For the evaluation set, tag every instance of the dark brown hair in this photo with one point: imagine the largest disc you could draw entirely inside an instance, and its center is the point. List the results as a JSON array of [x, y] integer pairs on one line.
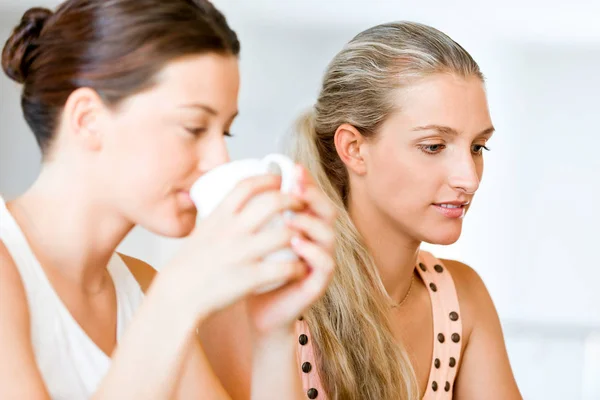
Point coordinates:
[[115, 47]]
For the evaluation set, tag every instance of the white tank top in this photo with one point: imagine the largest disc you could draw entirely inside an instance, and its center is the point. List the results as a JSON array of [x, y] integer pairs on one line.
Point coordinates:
[[72, 365]]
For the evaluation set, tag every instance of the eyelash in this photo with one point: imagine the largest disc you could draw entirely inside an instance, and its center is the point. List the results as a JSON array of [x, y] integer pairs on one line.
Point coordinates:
[[199, 131], [424, 148], [481, 148]]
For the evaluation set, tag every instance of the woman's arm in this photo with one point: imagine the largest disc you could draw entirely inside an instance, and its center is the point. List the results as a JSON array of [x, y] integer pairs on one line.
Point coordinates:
[[485, 371], [276, 373], [226, 337], [275, 368], [197, 378], [251, 368], [149, 359]]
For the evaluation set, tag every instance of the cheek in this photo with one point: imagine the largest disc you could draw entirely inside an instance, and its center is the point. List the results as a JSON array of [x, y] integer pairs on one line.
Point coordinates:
[[402, 180], [147, 158]]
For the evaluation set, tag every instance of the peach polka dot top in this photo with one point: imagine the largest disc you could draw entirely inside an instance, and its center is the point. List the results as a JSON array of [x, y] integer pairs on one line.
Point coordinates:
[[447, 326]]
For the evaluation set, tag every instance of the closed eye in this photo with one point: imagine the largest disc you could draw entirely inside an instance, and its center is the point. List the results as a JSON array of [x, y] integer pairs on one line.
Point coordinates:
[[200, 131], [196, 131]]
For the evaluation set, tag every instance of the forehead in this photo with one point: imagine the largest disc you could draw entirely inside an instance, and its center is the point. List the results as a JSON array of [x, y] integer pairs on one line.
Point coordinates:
[[210, 79], [445, 100]]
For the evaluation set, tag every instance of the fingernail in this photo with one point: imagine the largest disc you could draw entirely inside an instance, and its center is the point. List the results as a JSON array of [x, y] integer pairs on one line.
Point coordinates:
[[296, 242], [299, 189], [289, 223], [288, 216]]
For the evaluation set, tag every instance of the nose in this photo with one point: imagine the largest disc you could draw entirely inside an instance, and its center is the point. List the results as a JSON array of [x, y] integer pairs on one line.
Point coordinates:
[[464, 175], [213, 154]]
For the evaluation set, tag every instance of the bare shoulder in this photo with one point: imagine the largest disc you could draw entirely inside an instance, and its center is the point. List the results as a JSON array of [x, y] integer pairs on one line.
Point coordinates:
[[475, 302], [21, 378], [466, 279], [143, 272], [484, 341], [12, 290]]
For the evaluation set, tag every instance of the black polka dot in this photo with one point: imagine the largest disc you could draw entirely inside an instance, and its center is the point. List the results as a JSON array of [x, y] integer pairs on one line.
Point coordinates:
[[306, 367], [441, 338], [452, 362], [423, 267], [453, 316], [433, 287], [312, 393], [447, 387], [437, 363], [455, 337], [434, 386], [303, 339], [438, 268]]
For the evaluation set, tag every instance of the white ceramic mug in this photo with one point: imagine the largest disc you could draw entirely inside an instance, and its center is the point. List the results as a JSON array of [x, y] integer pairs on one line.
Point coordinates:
[[212, 188]]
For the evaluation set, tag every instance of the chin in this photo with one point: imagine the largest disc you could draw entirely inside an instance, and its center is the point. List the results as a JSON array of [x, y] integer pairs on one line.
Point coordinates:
[[174, 226], [179, 231], [443, 237]]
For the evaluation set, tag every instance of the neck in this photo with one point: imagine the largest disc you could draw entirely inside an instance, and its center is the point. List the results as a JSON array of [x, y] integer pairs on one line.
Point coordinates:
[[395, 253], [69, 228]]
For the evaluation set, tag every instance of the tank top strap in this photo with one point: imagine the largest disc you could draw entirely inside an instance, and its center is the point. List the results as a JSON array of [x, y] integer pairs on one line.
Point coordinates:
[[305, 352], [129, 292], [33, 277], [447, 326]]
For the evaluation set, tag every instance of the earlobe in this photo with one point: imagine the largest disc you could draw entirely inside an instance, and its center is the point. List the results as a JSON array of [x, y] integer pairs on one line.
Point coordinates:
[[349, 144], [81, 114]]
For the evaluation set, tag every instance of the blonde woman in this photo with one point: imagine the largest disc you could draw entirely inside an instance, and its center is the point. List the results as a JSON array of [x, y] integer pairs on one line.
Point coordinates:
[[396, 141]]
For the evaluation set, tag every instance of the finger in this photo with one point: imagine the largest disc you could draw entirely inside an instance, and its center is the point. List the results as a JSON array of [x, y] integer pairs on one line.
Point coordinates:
[[321, 261], [268, 273], [293, 299], [318, 203], [313, 228], [304, 177], [246, 190], [245, 280], [267, 242], [263, 207]]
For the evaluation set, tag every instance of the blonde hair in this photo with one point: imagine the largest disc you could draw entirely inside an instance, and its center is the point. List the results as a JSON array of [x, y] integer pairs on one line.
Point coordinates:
[[357, 355]]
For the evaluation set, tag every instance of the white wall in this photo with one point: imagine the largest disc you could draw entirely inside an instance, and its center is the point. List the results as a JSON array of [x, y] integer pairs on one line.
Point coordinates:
[[532, 231], [19, 155]]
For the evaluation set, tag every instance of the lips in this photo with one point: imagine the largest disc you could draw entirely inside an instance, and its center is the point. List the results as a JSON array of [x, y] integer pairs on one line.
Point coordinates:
[[185, 199], [452, 209], [449, 205]]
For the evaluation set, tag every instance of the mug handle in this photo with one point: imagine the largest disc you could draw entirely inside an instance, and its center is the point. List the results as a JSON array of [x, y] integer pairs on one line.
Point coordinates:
[[286, 168]]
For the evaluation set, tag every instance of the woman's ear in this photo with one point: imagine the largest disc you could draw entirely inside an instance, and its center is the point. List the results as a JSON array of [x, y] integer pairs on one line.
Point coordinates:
[[349, 143], [81, 116]]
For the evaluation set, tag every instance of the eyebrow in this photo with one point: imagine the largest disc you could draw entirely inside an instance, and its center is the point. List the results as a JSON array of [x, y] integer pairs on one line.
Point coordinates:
[[446, 130], [206, 108]]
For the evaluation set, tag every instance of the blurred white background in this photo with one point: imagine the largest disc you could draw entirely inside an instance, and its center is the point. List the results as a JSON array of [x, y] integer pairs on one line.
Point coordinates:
[[533, 230]]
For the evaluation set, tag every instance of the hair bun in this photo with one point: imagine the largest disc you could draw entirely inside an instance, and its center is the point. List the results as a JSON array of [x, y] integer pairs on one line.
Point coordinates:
[[15, 60]]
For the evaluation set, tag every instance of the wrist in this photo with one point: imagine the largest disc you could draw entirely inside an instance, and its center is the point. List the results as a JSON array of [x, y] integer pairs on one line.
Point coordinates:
[[275, 338], [275, 372], [171, 296]]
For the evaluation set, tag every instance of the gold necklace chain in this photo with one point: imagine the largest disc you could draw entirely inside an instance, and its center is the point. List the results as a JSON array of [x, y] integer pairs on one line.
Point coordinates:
[[412, 279]]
